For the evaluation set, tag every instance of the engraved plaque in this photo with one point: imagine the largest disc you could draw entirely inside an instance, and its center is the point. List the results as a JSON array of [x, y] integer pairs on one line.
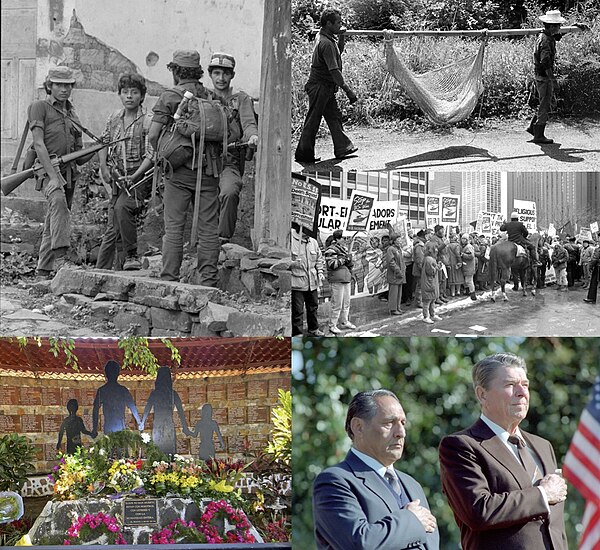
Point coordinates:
[[8, 396], [258, 388], [51, 423], [8, 423], [30, 396], [140, 511], [86, 397], [220, 416], [216, 392], [258, 415], [51, 396], [196, 394], [68, 393], [236, 444], [236, 391], [258, 442], [183, 445], [236, 415], [31, 423], [277, 383], [49, 451]]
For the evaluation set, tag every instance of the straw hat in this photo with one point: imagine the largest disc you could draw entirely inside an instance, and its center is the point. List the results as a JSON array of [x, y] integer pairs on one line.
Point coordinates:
[[553, 16]]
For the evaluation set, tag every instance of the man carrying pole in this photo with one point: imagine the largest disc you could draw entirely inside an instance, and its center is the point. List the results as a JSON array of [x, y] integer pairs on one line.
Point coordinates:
[[324, 80], [56, 130], [544, 54]]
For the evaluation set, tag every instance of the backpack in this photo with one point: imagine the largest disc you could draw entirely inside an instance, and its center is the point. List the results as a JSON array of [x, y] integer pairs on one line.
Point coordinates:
[[199, 121]]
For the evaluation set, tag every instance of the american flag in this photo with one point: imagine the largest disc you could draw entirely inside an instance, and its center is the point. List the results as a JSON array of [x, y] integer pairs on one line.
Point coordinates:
[[582, 468]]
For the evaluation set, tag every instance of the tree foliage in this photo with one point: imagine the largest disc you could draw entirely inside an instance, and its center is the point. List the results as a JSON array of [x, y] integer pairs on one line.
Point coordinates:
[[431, 376], [136, 351], [16, 456]]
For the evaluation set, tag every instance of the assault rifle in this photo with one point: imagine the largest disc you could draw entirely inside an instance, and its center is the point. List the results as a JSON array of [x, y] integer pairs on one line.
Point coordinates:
[[10, 183]]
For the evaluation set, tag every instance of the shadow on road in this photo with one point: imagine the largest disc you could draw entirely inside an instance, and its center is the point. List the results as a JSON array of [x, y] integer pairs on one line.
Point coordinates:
[[454, 153], [447, 153], [554, 151]]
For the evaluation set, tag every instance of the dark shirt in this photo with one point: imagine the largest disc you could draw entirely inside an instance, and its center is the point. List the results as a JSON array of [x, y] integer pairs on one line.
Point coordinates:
[[61, 136], [544, 54], [326, 58], [339, 263], [517, 232]]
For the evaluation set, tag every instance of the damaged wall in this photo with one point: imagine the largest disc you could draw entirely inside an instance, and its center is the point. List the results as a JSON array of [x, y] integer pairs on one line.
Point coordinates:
[[145, 33], [113, 37]]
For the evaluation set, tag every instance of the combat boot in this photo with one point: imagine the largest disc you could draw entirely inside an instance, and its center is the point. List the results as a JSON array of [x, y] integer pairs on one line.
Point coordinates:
[[538, 136]]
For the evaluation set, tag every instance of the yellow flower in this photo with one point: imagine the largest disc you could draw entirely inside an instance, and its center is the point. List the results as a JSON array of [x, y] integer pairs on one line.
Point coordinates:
[[222, 486], [24, 541]]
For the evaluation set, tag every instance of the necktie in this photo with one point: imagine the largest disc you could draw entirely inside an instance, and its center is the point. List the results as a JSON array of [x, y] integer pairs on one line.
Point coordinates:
[[526, 458], [400, 495]]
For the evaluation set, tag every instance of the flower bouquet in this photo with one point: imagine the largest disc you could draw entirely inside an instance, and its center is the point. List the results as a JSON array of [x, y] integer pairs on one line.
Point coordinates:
[[124, 475], [219, 523], [94, 529]]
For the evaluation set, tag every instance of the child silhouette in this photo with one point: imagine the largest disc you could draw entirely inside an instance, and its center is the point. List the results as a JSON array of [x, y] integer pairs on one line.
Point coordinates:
[[73, 426], [205, 428]]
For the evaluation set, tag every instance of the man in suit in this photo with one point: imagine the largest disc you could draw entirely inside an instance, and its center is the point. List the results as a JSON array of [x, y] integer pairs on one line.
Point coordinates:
[[500, 481], [363, 503]]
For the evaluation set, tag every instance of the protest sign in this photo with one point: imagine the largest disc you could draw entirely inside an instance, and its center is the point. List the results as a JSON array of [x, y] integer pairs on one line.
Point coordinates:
[[450, 206], [306, 195], [527, 214], [594, 227], [332, 215], [361, 205], [488, 223], [433, 210]]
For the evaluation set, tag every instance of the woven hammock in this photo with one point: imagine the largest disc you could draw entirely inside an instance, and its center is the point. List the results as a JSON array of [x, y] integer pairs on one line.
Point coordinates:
[[446, 95]]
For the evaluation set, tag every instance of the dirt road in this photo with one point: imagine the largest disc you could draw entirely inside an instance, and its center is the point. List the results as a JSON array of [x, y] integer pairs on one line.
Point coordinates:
[[501, 146]]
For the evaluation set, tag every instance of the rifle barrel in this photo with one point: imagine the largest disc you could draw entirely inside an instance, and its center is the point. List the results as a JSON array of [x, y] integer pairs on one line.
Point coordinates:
[[10, 183]]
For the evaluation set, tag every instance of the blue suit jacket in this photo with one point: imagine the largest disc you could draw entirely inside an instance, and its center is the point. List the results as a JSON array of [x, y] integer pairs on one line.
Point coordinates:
[[354, 508]]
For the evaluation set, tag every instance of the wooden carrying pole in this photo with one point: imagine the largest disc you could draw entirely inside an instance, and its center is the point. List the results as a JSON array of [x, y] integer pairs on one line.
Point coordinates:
[[499, 32]]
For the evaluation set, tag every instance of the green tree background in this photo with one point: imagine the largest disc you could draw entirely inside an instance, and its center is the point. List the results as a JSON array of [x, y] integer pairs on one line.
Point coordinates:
[[432, 377]]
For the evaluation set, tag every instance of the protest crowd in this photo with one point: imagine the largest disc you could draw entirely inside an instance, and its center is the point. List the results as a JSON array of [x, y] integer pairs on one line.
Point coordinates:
[[422, 269]]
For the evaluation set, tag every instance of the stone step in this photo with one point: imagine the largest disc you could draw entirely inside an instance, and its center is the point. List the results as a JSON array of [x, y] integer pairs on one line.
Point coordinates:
[[133, 301]]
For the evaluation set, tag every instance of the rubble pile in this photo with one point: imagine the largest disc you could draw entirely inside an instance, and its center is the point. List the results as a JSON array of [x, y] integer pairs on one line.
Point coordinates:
[[137, 302]]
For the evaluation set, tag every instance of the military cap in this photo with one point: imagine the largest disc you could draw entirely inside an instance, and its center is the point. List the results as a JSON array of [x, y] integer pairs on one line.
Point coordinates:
[[61, 75], [186, 58], [224, 60]]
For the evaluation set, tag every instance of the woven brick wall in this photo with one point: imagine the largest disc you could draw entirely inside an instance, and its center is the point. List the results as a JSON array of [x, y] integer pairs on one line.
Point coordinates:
[[241, 406]]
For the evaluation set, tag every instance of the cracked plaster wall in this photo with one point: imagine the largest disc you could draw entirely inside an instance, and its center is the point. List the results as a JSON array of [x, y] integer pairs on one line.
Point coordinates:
[[112, 37]]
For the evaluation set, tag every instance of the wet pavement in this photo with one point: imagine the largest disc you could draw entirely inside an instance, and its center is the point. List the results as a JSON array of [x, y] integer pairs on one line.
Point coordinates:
[[549, 313]]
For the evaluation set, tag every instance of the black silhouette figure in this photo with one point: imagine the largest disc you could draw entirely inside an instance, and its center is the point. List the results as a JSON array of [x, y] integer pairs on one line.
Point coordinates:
[[113, 398], [163, 400], [205, 428], [73, 426]]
